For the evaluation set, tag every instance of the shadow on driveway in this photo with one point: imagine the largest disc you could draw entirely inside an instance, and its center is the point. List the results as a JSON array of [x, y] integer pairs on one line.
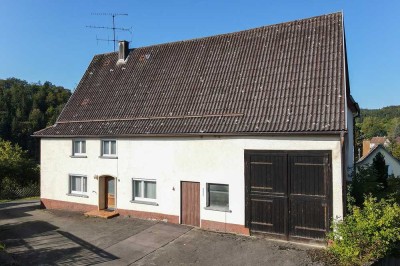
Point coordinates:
[[17, 209], [39, 242]]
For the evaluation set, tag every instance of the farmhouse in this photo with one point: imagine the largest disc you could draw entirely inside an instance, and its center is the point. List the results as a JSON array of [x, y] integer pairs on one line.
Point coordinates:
[[244, 132]]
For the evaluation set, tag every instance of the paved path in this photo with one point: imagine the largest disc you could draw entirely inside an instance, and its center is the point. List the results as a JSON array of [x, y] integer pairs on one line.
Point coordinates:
[[49, 237]]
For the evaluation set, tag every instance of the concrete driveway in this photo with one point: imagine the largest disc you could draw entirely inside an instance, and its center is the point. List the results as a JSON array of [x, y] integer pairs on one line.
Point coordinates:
[[50, 237]]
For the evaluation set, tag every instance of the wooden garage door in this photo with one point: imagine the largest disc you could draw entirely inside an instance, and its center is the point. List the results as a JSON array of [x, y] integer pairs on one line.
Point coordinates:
[[287, 193], [190, 203]]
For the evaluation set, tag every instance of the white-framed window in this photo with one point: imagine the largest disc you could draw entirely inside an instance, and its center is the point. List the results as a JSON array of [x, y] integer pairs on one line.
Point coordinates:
[[144, 190], [218, 196], [78, 147], [109, 148], [77, 184]]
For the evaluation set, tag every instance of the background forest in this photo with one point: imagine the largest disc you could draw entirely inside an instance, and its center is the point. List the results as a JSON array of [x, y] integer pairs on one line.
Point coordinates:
[[28, 107]]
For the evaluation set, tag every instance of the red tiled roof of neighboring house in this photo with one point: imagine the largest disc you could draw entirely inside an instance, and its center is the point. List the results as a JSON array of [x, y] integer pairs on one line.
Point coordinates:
[[378, 140], [284, 78]]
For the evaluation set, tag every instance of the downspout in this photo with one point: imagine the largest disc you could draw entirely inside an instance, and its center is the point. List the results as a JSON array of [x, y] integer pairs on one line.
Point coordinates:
[[116, 181], [343, 143]]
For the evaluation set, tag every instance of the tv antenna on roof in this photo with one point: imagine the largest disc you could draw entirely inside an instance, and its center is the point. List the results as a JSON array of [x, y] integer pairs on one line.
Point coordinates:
[[113, 28]]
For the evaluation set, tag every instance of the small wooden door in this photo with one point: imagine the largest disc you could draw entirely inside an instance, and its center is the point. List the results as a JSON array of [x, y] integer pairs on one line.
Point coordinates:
[[110, 192], [190, 203]]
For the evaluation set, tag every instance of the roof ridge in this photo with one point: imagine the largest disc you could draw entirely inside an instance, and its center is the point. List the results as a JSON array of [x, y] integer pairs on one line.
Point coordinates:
[[229, 33]]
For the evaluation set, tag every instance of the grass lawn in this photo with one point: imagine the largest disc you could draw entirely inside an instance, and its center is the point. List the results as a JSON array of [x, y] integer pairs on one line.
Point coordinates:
[[28, 198]]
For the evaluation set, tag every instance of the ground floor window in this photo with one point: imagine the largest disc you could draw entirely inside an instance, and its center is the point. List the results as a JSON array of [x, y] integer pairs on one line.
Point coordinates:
[[218, 196], [145, 190], [77, 184]]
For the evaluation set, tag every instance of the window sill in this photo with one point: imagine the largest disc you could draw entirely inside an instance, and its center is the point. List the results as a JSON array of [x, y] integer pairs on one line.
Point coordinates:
[[144, 202], [217, 209], [108, 157], [77, 195], [78, 156]]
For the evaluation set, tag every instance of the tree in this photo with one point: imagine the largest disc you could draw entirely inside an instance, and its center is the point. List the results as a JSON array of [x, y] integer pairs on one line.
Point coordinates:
[[373, 126], [371, 180], [380, 169], [396, 150], [15, 164]]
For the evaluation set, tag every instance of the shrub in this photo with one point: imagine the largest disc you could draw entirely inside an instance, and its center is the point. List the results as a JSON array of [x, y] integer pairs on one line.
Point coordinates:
[[366, 234]]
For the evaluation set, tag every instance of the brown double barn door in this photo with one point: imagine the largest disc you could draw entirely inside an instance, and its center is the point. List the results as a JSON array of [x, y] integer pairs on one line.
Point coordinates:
[[190, 203], [288, 193]]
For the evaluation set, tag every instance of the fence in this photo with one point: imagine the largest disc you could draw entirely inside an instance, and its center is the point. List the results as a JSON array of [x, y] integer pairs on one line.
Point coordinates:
[[17, 192]]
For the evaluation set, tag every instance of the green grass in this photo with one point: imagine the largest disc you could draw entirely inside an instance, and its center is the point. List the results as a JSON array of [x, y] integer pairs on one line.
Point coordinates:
[[2, 246], [28, 198]]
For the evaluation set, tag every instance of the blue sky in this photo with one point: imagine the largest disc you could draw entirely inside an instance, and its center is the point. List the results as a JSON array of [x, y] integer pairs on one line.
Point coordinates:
[[47, 39]]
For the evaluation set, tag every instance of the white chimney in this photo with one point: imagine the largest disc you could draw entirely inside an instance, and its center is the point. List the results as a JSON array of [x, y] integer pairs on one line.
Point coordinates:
[[123, 50]]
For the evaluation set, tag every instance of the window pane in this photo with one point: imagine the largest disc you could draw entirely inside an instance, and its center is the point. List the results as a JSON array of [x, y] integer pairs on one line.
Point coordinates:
[[218, 195], [84, 181], [83, 148], [106, 147], [137, 188], [217, 187], [110, 186], [150, 189], [76, 183], [113, 147], [76, 147]]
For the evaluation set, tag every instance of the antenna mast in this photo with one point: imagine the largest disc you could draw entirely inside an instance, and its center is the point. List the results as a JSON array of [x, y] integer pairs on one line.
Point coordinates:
[[113, 28]]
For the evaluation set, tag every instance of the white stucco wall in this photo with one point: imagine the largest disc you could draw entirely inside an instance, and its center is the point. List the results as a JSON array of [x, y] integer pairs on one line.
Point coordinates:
[[170, 161], [394, 165]]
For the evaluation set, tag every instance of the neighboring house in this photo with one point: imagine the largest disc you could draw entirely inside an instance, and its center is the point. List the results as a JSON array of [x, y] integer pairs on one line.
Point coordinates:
[[373, 142], [392, 163], [243, 132]]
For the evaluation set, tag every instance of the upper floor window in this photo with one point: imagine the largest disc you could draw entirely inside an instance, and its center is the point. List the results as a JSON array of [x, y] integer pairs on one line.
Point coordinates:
[[79, 147], [109, 148]]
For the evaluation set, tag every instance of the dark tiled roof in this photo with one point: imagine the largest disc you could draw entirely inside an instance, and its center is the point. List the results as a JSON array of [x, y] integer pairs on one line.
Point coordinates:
[[282, 78]]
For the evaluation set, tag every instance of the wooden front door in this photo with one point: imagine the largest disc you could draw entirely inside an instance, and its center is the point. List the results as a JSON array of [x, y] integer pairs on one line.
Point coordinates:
[[288, 193], [110, 192], [190, 203]]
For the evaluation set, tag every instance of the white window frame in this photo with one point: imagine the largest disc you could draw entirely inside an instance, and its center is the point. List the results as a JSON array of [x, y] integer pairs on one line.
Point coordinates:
[[83, 177], [74, 153], [142, 192], [208, 203], [109, 154]]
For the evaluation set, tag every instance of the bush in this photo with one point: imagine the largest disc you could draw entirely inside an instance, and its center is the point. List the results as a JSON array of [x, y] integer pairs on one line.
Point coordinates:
[[15, 164], [366, 234]]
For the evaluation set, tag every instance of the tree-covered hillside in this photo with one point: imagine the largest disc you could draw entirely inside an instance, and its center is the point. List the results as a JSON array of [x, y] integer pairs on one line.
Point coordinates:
[[28, 107], [380, 122]]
